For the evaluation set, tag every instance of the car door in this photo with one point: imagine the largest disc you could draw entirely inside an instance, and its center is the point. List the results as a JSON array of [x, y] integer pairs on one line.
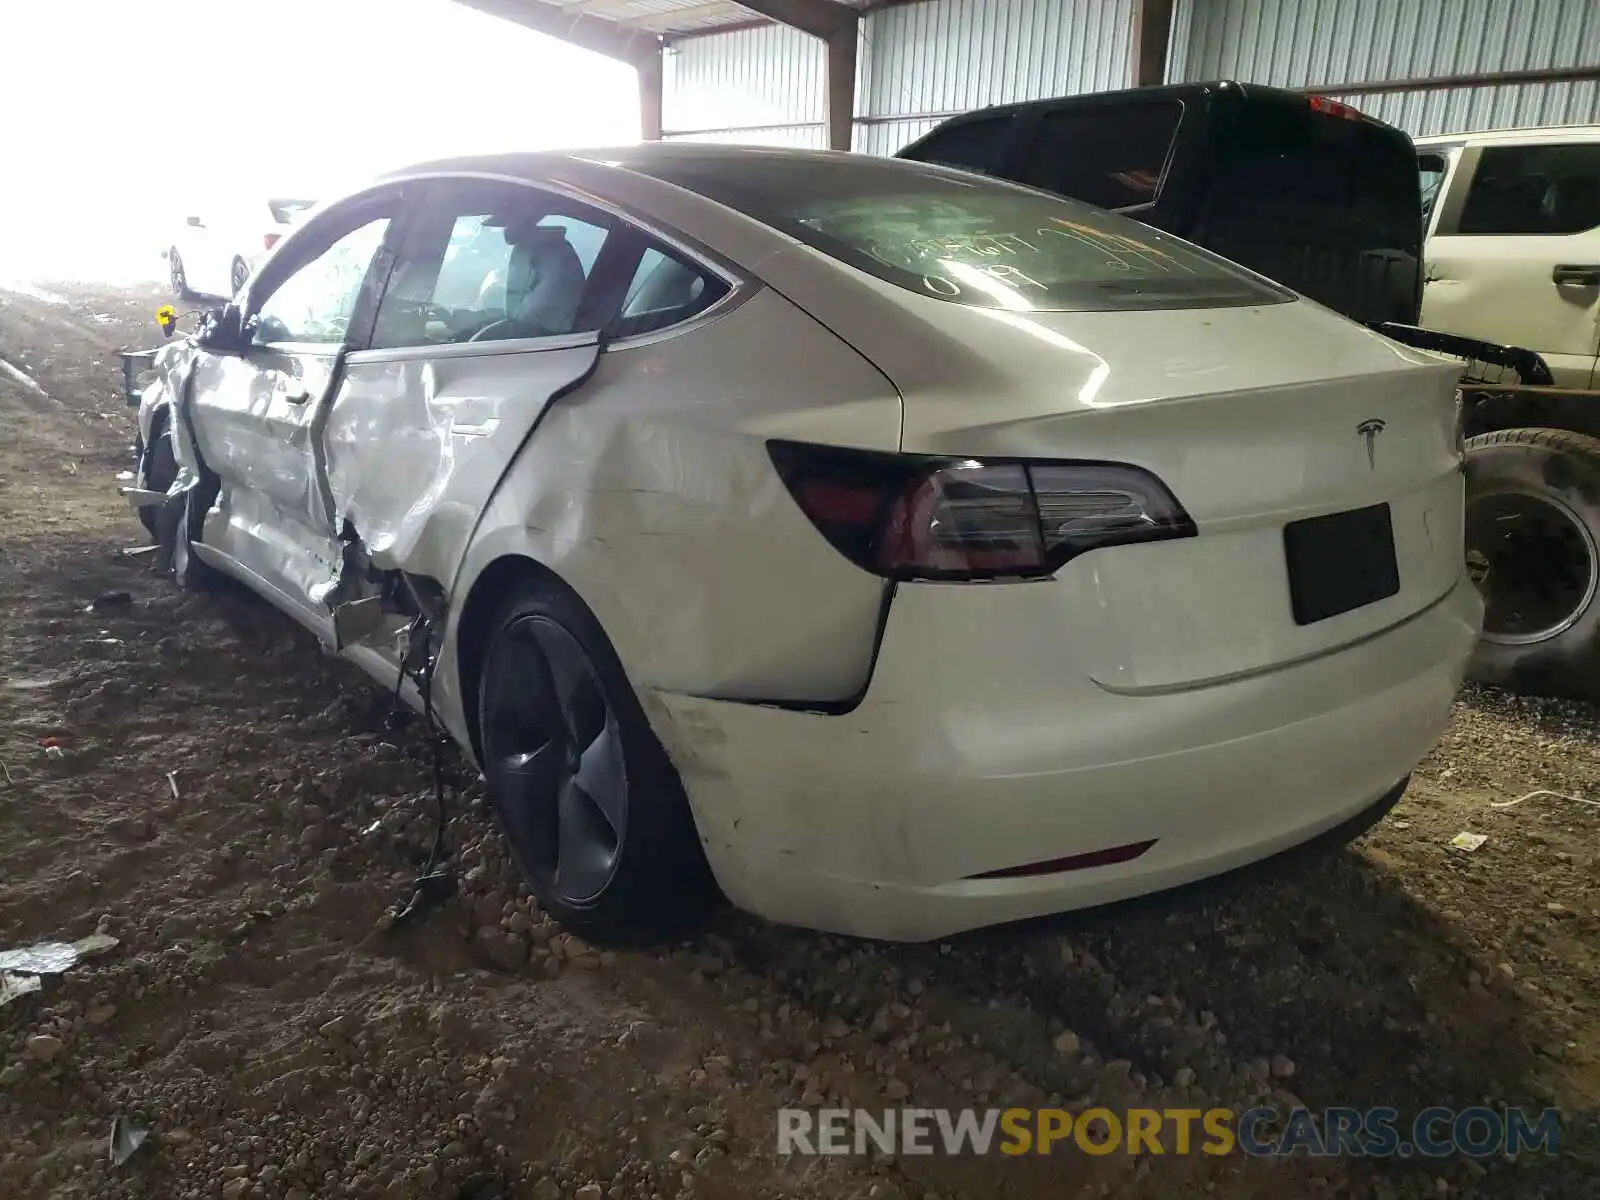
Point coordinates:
[[1515, 253], [492, 311], [257, 412]]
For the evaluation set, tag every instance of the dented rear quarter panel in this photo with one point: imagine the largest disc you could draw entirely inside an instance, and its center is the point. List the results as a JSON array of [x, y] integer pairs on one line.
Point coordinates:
[[649, 491]]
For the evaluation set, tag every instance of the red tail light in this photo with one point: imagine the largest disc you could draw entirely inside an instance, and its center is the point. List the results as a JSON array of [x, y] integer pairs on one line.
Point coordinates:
[[916, 517], [1334, 108], [269, 240]]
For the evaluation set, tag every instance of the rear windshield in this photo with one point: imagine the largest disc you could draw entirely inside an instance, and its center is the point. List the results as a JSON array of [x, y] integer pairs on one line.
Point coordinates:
[[1322, 165], [966, 239], [1327, 204]]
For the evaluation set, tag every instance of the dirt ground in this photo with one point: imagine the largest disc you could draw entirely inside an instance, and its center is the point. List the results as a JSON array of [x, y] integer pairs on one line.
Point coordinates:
[[228, 803]]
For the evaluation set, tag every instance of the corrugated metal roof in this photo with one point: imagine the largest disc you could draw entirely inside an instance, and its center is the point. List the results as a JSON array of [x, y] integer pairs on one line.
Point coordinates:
[[669, 17], [661, 16]]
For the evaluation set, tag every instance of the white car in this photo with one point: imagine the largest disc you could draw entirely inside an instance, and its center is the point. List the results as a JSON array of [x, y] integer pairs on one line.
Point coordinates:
[[215, 250], [915, 550], [1513, 242]]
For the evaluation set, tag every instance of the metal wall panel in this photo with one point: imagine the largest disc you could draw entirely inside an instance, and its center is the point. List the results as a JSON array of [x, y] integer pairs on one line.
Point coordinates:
[[766, 83], [1306, 43], [885, 137], [946, 56], [915, 61], [1458, 110]]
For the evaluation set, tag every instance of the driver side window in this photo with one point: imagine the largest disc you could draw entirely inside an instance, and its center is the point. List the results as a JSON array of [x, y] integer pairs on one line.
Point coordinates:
[[314, 305]]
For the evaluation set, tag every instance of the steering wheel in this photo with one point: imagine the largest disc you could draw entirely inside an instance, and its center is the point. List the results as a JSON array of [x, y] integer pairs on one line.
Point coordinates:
[[507, 328]]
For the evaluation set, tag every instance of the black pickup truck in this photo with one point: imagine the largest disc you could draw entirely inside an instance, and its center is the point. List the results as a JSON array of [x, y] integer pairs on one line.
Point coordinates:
[[1307, 191]]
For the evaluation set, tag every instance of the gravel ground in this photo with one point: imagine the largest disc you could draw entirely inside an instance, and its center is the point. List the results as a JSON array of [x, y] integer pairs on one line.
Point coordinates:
[[189, 776]]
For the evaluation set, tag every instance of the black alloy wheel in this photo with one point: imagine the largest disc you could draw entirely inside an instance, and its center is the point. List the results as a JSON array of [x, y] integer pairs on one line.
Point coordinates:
[[1535, 563], [555, 760], [589, 799], [1533, 550]]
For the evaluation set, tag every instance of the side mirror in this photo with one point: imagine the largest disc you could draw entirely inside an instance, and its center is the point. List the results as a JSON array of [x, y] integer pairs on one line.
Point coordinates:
[[195, 221], [222, 331]]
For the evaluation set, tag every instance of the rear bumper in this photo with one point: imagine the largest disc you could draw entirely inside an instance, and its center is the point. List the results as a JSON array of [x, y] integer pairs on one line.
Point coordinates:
[[978, 750]]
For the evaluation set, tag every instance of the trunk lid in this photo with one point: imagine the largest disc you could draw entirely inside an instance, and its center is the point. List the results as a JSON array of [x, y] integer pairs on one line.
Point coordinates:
[[1255, 419]]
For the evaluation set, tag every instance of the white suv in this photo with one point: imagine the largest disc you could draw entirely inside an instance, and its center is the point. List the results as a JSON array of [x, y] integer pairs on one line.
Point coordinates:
[[1513, 242], [1511, 255]]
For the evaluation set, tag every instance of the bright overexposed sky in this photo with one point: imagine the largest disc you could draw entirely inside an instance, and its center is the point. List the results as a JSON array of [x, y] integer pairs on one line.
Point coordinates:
[[119, 114]]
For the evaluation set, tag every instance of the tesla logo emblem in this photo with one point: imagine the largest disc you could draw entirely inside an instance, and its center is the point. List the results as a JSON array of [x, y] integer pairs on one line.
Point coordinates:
[[1370, 429]]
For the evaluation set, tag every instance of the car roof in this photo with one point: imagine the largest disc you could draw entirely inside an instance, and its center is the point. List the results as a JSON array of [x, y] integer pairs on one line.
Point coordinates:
[[1551, 133], [535, 165]]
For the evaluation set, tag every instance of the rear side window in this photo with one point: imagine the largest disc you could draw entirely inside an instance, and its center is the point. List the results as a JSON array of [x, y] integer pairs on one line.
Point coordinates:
[[664, 291], [1113, 157], [971, 145], [1534, 190], [965, 239]]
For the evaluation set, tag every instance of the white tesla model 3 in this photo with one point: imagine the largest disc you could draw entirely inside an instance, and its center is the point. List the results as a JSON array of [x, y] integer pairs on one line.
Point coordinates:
[[905, 550]]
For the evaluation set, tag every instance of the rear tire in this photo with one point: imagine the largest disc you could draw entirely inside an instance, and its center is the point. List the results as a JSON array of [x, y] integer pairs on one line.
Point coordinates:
[[1533, 549], [591, 805]]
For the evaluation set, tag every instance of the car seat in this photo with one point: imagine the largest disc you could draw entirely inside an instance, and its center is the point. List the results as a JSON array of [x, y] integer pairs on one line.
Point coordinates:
[[544, 280]]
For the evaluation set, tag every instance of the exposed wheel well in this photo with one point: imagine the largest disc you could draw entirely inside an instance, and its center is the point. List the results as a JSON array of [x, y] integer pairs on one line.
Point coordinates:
[[489, 591]]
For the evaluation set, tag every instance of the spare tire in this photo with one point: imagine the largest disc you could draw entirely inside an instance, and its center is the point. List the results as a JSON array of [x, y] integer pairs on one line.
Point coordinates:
[[1533, 528]]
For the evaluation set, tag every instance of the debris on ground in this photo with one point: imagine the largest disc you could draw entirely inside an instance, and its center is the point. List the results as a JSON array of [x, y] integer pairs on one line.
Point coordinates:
[[1544, 792], [14, 987], [52, 958], [126, 1138]]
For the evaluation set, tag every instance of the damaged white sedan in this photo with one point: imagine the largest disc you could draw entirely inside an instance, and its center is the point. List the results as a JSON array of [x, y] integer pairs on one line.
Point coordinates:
[[902, 550]]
